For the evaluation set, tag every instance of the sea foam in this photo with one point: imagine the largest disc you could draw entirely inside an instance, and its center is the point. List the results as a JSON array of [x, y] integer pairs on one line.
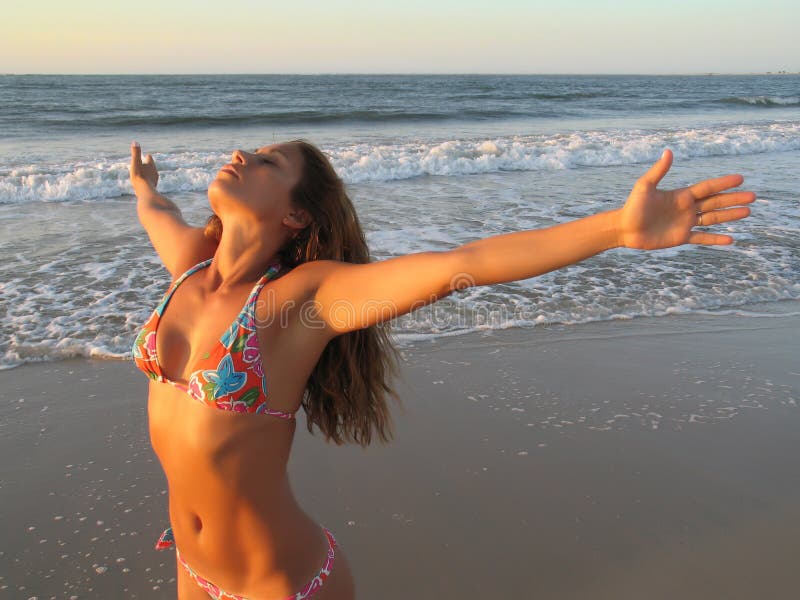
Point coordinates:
[[375, 162]]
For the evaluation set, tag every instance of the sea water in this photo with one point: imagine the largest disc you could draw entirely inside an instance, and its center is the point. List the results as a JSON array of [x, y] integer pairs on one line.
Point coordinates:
[[431, 162]]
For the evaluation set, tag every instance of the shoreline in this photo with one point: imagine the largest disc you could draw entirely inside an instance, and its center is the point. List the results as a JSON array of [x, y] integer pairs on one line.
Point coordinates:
[[410, 340], [625, 459]]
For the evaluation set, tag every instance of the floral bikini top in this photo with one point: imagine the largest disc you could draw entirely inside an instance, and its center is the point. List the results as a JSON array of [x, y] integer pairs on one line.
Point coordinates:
[[231, 375]]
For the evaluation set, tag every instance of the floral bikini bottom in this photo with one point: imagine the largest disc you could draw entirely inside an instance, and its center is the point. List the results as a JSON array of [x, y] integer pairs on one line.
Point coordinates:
[[168, 541]]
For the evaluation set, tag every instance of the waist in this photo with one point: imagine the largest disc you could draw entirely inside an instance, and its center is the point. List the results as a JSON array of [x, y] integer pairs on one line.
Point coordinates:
[[256, 549]]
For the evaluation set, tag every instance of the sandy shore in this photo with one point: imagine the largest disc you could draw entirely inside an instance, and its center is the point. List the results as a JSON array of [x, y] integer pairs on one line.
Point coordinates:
[[653, 458]]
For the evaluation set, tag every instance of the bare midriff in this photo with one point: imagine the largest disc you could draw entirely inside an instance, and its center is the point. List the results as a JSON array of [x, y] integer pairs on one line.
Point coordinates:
[[234, 516]]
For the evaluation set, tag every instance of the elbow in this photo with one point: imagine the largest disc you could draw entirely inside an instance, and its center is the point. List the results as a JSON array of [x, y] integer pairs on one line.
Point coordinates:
[[460, 281], [461, 270]]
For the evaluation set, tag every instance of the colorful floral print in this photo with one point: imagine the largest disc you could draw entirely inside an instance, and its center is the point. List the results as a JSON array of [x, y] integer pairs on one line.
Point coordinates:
[[231, 376], [167, 540]]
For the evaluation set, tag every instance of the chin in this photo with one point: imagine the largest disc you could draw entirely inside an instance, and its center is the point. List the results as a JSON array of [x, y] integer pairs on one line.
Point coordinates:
[[216, 191], [221, 198]]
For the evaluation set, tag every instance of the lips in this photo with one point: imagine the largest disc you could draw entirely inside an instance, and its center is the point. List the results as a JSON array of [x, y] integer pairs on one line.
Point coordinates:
[[230, 170]]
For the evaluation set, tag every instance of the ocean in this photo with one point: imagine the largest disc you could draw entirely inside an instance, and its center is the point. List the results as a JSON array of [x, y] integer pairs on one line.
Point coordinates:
[[431, 162]]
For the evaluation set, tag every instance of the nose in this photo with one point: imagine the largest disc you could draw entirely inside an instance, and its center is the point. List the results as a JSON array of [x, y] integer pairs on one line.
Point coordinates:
[[239, 156]]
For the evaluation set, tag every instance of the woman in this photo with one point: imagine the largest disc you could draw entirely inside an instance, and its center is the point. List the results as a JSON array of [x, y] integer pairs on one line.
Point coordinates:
[[274, 306]]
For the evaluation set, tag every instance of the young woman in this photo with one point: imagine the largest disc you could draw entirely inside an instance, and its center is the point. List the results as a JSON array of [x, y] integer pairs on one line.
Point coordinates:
[[274, 305]]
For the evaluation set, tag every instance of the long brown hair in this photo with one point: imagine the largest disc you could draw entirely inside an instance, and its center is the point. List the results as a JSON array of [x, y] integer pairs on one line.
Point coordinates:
[[346, 393]]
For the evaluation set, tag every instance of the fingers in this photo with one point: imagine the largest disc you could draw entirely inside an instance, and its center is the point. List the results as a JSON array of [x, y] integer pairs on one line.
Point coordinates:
[[723, 216], [136, 151], [136, 157], [710, 187], [725, 200], [659, 169], [709, 239]]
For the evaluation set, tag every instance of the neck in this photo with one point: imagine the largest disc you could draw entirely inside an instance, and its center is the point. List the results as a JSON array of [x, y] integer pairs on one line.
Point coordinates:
[[243, 255]]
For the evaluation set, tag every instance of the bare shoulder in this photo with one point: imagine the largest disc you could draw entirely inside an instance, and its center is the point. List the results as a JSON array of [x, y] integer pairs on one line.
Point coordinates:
[[292, 291], [306, 277], [193, 247], [180, 247]]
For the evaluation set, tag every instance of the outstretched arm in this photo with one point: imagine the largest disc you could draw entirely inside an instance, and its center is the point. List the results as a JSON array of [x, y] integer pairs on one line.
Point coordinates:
[[178, 244], [352, 296]]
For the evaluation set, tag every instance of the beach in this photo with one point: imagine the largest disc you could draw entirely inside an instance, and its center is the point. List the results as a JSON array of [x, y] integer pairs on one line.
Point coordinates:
[[654, 457], [625, 427]]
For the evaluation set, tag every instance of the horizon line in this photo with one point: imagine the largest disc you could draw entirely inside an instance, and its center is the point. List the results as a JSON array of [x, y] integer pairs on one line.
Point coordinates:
[[410, 73]]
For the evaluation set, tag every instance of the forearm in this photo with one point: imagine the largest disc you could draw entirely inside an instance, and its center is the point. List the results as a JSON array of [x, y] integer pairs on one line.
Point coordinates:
[[353, 296], [148, 199], [525, 254]]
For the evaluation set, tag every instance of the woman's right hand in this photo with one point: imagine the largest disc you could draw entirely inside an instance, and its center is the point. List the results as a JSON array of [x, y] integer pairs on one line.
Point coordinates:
[[142, 172]]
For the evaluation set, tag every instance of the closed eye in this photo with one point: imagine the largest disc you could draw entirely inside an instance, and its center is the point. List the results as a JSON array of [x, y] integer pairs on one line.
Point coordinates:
[[263, 157]]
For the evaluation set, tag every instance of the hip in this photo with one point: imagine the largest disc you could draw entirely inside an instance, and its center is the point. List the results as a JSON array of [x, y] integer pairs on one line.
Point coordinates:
[[238, 547]]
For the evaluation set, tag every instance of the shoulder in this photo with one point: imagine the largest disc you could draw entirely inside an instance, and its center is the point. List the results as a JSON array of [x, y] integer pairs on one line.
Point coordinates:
[[306, 277], [287, 307], [293, 287]]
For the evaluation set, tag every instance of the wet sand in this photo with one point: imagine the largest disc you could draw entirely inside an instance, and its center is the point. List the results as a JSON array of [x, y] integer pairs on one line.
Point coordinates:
[[652, 458]]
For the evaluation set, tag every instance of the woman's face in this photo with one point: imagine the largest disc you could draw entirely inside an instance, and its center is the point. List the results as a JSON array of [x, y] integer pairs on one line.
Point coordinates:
[[259, 182]]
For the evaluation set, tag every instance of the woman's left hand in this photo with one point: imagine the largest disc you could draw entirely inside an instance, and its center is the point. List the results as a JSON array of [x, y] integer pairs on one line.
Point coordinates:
[[653, 218]]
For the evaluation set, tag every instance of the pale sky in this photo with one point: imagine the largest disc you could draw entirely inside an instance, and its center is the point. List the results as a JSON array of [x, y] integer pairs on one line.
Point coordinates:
[[409, 36]]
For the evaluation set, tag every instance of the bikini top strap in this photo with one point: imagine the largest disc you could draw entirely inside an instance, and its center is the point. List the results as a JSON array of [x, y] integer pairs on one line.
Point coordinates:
[[197, 267], [171, 290], [271, 272]]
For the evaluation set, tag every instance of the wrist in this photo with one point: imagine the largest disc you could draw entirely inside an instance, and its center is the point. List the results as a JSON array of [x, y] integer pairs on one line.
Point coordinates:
[[142, 188], [615, 219]]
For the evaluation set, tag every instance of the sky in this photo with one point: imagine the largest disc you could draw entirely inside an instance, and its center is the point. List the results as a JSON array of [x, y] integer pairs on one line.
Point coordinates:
[[412, 36]]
